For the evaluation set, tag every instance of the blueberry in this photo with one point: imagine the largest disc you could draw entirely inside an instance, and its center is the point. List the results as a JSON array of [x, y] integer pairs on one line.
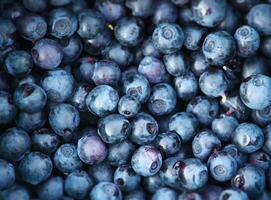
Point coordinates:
[[35, 168], [84, 69], [110, 10], [232, 194], [140, 8], [190, 195], [211, 192], [193, 37], [13, 10], [64, 119], [66, 159], [165, 11], [7, 107], [248, 137], [152, 183], [267, 142], [260, 159], [128, 106], [209, 13], [198, 63], [14, 143], [148, 48], [164, 193], [135, 195], [244, 5], [91, 150], [35, 6], [146, 160], [176, 64], [168, 38], [234, 152], [102, 100], [7, 173], [262, 117], [218, 47], [52, 189], [101, 172], [186, 15], [59, 2], [185, 124], [15, 192], [254, 91], [129, 31], [266, 46], [78, 184], [105, 191]]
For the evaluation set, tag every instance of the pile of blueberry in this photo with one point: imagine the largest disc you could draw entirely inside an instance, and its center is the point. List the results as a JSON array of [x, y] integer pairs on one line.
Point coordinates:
[[135, 99]]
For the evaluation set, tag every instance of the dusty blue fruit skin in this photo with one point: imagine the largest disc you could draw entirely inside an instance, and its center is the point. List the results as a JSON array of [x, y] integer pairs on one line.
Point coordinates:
[[90, 23], [47, 54], [267, 142], [35, 6], [30, 98], [244, 5], [141, 8], [45, 140], [64, 119], [101, 172], [105, 191], [250, 179], [262, 117], [120, 153], [234, 152], [102, 100], [35, 168], [128, 106], [193, 36], [193, 174], [146, 160], [208, 13], [91, 149], [84, 69], [66, 159], [266, 46], [255, 91], [15, 192], [111, 11], [60, 2], [106, 72], [204, 144], [58, 84], [248, 137], [232, 194], [260, 159], [152, 183], [165, 11], [18, 63], [144, 129], [198, 63], [185, 124], [187, 195], [129, 31], [7, 173], [168, 142], [52, 189], [148, 48], [136, 194], [258, 17], [168, 38], [126, 179], [218, 47], [164, 193], [13, 11], [75, 179], [8, 109], [138, 86], [14, 143], [78, 99], [175, 63]]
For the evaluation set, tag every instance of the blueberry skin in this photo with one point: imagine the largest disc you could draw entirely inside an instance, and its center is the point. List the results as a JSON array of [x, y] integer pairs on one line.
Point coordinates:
[[148, 48], [30, 98], [187, 195], [7, 29], [35, 168], [62, 23], [244, 5], [175, 64], [102, 100], [105, 191], [7, 107], [233, 194], [18, 63], [144, 129], [32, 27], [203, 108], [59, 2], [126, 179], [120, 153], [14, 143], [152, 183], [204, 144], [248, 137], [140, 8], [211, 192], [250, 179], [64, 119], [223, 126], [258, 17], [13, 10], [91, 149], [193, 36], [186, 86], [262, 117], [135, 195], [193, 174], [106, 73], [255, 65], [186, 15], [234, 152], [267, 142], [47, 54], [113, 128], [146, 160], [198, 63], [138, 86], [15, 192], [78, 184], [35, 6], [153, 69], [255, 91], [128, 106], [7, 173], [4, 80], [165, 11], [84, 69], [66, 159], [58, 85], [260, 159], [101, 172], [78, 99], [218, 47], [52, 189], [164, 193], [208, 13], [111, 11], [168, 38], [168, 142], [185, 124], [266, 46], [45, 141], [129, 31]]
